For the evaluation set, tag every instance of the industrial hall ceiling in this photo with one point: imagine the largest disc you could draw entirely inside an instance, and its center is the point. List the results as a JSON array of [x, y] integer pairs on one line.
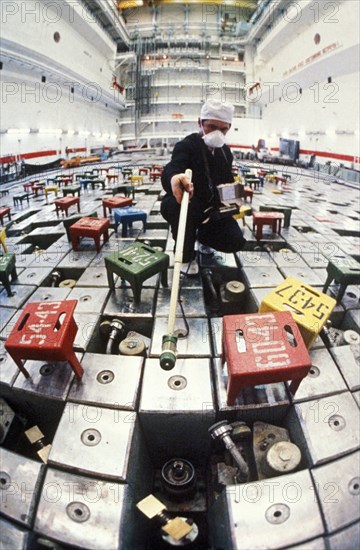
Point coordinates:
[[128, 21]]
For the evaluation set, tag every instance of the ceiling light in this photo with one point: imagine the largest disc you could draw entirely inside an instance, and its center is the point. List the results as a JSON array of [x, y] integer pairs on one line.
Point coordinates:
[[13, 131], [130, 5], [344, 132]]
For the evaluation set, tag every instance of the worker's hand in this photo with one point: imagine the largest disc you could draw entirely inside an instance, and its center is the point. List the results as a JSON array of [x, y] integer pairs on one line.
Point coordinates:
[[179, 183]]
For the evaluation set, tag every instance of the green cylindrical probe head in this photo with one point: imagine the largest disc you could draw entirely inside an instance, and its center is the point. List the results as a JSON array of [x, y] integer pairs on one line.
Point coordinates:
[[168, 355], [167, 360]]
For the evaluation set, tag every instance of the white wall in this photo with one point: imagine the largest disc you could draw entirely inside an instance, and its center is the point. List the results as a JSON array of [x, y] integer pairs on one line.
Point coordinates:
[[295, 97], [30, 104], [83, 59], [244, 131]]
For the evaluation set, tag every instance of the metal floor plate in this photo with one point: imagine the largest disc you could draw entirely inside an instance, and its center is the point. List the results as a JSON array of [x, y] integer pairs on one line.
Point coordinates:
[[108, 381], [275, 510], [331, 426]]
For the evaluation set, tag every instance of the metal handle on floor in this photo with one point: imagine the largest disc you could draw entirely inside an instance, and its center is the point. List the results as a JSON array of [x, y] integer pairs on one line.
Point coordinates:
[[168, 355]]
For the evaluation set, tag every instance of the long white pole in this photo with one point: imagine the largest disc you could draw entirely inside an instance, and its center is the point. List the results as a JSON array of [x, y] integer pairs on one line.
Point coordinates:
[[178, 256]]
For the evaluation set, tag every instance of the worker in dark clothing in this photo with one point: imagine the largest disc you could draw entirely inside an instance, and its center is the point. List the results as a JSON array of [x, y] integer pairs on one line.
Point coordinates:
[[210, 160]]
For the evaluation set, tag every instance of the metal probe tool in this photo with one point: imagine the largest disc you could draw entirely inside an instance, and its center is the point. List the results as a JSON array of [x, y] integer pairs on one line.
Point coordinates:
[[222, 430], [169, 341]]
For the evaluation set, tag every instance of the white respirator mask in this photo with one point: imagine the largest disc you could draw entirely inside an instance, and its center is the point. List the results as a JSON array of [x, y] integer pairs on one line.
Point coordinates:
[[214, 139]]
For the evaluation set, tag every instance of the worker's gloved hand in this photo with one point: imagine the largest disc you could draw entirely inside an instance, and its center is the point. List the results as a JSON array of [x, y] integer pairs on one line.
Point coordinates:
[[179, 183]]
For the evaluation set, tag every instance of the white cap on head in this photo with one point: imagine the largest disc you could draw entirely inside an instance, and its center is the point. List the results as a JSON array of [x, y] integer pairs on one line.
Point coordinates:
[[217, 111]]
